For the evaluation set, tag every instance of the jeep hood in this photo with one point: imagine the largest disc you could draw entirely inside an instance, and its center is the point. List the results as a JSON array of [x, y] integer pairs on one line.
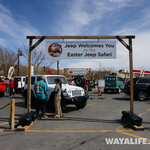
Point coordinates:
[[66, 86]]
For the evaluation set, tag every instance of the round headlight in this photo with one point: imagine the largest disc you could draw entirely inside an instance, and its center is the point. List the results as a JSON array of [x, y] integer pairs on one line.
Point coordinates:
[[69, 91]]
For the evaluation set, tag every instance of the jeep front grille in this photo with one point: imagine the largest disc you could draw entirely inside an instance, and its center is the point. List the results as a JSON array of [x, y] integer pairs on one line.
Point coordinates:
[[76, 92]]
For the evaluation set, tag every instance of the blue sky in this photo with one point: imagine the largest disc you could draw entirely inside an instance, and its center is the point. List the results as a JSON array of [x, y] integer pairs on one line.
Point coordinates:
[[19, 19]]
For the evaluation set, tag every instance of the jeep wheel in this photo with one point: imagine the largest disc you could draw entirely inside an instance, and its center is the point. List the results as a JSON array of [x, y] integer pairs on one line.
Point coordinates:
[[32, 100], [78, 81], [82, 105], [119, 90], [2, 94], [142, 95], [63, 105], [25, 99]]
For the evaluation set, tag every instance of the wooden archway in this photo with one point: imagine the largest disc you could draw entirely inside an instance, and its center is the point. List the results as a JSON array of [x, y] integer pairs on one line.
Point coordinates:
[[41, 38]]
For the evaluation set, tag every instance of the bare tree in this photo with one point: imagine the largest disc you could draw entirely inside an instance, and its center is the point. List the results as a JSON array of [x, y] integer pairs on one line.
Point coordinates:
[[8, 59], [38, 57]]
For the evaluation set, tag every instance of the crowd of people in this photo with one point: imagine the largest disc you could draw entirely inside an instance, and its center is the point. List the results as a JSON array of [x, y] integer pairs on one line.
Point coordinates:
[[41, 91], [13, 87]]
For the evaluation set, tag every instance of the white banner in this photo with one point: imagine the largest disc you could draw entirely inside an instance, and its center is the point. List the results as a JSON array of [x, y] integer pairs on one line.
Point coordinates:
[[77, 71], [81, 50]]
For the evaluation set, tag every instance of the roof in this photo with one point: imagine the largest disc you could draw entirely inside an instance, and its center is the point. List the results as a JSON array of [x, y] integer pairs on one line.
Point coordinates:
[[112, 76], [45, 75]]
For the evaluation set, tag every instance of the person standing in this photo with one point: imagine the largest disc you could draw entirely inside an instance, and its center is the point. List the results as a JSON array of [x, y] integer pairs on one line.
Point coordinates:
[[84, 84], [57, 99], [19, 86], [41, 91], [7, 84], [12, 86]]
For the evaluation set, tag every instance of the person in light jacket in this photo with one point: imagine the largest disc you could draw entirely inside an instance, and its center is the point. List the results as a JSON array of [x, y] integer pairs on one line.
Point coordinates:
[[57, 99], [19, 86]]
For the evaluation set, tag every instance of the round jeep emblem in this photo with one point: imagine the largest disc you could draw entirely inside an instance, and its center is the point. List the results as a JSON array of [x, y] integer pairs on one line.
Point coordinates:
[[55, 50]]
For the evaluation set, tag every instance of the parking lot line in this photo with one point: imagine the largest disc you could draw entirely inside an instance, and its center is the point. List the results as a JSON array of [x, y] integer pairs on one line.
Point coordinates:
[[144, 112], [4, 123], [49, 113], [91, 104], [69, 130], [139, 116], [7, 123], [135, 136], [2, 129], [121, 126]]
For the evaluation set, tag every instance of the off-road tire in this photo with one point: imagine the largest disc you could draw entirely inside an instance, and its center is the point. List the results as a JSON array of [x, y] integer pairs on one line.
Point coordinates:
[[82, 105], [142, 95]]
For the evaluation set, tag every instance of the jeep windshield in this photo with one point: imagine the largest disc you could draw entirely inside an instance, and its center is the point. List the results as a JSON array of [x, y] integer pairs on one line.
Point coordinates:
[[110, 79], [51, 80]]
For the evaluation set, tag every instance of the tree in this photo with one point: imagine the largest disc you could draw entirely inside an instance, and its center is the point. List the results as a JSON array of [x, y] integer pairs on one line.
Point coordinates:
[[8, 59], [38, 57]]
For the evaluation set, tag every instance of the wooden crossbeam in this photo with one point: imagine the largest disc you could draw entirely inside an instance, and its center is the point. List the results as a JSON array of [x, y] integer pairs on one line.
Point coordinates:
[[81, 37]]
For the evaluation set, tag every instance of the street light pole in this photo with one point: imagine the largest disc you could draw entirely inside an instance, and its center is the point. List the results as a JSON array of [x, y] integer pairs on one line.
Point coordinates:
[[18, 65], [58, 67], [18, 54]]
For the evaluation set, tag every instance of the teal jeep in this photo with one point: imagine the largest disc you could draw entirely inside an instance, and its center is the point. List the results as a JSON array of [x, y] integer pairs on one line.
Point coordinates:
[[113, 83]]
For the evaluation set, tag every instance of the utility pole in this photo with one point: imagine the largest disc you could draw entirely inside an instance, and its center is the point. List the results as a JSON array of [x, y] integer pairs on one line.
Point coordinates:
[[18, 54], [58, 67], [18, 65]]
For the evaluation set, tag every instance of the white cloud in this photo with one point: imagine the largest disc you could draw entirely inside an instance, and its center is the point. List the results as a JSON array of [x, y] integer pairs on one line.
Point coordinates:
[[90, 17], [17, 29], [141, 57], [141, 50], [82, 17], [2, 42], [5, 9]]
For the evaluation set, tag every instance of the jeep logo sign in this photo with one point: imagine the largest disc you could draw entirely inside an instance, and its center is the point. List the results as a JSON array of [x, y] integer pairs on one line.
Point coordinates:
[[81, 50]]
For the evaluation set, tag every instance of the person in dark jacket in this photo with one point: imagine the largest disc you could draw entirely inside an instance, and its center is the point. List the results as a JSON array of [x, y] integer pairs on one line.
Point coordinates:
[[11, 86]]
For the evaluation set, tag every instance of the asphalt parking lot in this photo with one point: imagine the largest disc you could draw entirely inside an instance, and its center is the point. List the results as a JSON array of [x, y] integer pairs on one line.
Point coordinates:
[[84, 129]]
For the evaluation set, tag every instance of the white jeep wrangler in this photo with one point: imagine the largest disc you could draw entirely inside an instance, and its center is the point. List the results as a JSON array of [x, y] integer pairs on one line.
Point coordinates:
[[70, 94]]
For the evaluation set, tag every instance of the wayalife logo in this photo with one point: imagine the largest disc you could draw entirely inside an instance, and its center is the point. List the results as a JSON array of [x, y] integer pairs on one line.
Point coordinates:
[[55, 50], [126, 141]]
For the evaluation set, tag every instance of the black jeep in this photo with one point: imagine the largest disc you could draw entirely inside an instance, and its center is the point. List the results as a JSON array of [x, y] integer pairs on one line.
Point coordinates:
[[141, 88]]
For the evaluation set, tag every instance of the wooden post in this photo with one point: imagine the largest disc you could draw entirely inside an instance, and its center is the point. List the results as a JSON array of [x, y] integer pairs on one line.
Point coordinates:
[[58, 67], [12, 116], [29, 79], [131, 79]]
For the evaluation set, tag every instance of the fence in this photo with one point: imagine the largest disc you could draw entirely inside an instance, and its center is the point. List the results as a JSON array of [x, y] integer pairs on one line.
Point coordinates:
[[12, 113]]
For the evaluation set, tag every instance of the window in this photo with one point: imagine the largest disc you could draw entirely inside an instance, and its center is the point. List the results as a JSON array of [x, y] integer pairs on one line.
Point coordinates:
[[16, 79], [51, 80], [32, 80], [38, 78], [119, 79], [144, 81], [110, 78]]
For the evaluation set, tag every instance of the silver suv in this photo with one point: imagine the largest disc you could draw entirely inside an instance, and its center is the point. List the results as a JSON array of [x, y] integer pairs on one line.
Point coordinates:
[[70, 94]]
